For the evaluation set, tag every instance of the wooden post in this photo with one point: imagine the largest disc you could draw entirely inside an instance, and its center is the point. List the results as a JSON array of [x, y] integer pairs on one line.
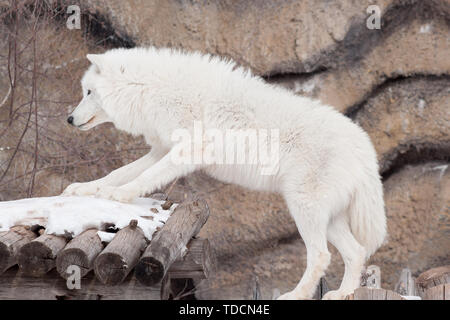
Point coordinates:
[[198, 263], [121, 255], [440, 292], [80, 251], [168, 244], [374, 294], [406, 284], [10, 243], [432, 278], [38, 256]]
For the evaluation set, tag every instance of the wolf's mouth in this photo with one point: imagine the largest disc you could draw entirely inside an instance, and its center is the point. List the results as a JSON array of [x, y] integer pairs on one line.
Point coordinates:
[[86, 123]]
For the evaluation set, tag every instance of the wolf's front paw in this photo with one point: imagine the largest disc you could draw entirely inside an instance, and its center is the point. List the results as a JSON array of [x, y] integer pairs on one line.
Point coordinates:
[[118, 194], [81, 189]]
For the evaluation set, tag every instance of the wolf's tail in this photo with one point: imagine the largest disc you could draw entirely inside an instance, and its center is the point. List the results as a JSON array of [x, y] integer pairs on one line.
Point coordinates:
[[367, 215]]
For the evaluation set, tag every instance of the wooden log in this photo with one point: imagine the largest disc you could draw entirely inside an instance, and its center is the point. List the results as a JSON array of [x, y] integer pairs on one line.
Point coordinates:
[[440, 292], [81, 251], [198, 263], [38, 256], [168, 244], [432, 278], [121, 255], [10, 243], [374, 294]]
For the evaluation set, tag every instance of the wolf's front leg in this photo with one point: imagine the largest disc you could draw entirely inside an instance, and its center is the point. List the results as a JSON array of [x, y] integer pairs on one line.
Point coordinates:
[[117, 177], [160, 174]]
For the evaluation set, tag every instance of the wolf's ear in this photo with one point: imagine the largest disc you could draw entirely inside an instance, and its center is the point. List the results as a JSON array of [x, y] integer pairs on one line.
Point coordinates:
[[96, 60]]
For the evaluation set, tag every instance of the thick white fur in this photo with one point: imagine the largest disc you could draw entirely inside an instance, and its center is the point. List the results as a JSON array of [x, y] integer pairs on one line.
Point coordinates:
[[328, 171]]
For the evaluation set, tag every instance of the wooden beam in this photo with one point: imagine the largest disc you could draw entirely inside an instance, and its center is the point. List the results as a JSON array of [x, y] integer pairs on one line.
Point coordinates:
[[169, 243], [51, 286], [10, 243], [38, 256], [80, 251], [121, 255]]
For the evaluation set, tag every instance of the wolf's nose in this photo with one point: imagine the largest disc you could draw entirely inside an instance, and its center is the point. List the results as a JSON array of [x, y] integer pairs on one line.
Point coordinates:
[[70, 119]]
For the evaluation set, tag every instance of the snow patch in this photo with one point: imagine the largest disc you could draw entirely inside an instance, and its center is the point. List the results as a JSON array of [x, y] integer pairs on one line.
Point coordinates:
[[105, 236], [62, 215], [412, 297]]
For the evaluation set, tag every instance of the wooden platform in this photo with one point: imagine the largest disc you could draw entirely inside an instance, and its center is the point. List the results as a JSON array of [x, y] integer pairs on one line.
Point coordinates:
[[41, 266]]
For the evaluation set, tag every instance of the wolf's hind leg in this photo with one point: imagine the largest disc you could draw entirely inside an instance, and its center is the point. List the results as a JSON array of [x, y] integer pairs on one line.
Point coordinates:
[[311, 221], [353, 254]]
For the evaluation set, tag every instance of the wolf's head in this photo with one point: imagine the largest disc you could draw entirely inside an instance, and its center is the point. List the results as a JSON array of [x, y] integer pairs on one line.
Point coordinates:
[[90, 112]]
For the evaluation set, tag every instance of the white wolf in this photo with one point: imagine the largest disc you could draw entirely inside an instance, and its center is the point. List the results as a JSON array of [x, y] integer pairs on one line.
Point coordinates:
[[328, 171]]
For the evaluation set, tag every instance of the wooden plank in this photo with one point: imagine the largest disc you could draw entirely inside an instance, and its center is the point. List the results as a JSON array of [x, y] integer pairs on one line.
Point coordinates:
[[121, 255], [432, 278], [80, 251], [169, 243], [10, 243], [38, 256], [378, 294], [50, 286], [440, 292], [362, 294], [391, 295]]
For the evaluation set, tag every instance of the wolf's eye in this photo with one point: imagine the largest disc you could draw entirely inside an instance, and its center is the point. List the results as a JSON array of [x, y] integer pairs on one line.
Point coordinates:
[[88, 92]]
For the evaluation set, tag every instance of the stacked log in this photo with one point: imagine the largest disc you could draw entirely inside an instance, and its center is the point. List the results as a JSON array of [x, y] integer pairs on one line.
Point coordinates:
[[121, 255], [38, 257], [81, 252], [10, 244], [170, 241]]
